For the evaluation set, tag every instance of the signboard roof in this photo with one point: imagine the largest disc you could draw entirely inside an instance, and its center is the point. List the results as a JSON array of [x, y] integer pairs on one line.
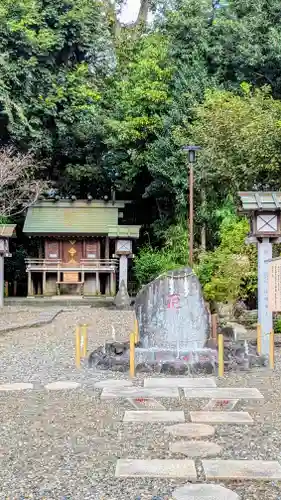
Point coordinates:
[[260, 200]]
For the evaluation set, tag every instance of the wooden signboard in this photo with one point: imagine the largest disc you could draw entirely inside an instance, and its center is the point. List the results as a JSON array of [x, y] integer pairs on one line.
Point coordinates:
[[51, 249], [274, 286], [71, 277], [91, 250]]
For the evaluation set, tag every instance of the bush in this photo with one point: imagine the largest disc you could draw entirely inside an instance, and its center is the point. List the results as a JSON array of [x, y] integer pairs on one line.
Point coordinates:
[[230, 271], [150, 262]]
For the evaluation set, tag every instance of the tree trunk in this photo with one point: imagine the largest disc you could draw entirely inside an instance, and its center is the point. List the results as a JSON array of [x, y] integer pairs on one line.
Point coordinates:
[[143, 12]]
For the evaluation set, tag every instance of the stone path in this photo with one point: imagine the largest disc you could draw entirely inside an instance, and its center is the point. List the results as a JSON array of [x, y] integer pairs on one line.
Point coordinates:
[[213, 469], [223, 393], [241, 469], [204, 491], [149, 411], [196, 448], [221, 417], [191, 431], [139, 392], [156, 468], [180, 382], [153, 416]]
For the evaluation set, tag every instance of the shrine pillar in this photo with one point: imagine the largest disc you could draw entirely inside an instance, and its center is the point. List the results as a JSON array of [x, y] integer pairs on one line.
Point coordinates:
[[30, 288], [263, 208]]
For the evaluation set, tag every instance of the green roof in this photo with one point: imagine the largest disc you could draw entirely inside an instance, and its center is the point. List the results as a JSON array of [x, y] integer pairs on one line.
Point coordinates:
[[124, 231], [77, 217]]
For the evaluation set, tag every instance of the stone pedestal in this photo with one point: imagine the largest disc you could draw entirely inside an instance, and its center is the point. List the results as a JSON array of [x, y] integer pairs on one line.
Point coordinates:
[[123, 270]]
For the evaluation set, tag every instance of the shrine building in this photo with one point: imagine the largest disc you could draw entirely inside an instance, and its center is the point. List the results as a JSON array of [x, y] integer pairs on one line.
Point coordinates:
[[82, 247]]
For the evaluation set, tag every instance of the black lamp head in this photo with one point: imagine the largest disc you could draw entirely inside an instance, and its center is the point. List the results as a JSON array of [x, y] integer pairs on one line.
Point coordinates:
[[191, 152]]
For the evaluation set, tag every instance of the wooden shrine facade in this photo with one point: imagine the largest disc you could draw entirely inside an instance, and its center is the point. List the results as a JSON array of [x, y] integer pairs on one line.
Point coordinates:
[[77, 247]]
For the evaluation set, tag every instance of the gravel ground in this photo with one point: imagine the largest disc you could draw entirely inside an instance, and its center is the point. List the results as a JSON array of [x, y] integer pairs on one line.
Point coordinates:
[[18, 315], [65, 444]]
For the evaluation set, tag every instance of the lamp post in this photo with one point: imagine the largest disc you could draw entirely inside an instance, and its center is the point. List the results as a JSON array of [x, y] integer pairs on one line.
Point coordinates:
[[191, 160]]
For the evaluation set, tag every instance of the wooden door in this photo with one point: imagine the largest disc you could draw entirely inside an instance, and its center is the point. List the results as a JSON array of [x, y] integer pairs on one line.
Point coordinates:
[[71, 252]]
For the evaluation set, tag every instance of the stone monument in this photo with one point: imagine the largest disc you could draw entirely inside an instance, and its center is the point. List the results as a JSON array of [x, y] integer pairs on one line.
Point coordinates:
[[171, 312]]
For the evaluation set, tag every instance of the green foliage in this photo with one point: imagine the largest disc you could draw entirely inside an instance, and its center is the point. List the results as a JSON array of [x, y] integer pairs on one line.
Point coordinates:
[[277, 325], [241, 139], [150, 262], [230, 271]]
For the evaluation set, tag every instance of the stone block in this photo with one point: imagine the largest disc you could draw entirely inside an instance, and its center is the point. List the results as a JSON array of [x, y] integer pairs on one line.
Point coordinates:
[[223, 393], [242, 470], [171, 311], [191, 431], [146, 404], [18, 386], [179, 382], [196, 448], [111, 382], [139, 392], [153, 416], [204, 492], [62, 385], [221, 417], [156, 468]]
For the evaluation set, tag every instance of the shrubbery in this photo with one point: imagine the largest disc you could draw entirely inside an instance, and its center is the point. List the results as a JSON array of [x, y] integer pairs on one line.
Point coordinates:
[[226, 274]]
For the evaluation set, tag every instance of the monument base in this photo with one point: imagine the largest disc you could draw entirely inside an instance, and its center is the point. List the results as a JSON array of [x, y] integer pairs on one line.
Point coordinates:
[[114, 356]]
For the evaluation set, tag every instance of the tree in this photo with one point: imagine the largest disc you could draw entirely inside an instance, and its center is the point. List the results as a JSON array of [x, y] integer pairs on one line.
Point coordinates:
[[54, 57], [241, 139], [19, 187]]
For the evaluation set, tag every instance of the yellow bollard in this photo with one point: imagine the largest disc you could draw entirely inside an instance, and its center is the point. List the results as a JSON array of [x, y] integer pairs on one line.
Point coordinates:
[[259, 338], [78, 347], [85, 340], [136, 331], [132, 354], [221, 354], [271, 350]]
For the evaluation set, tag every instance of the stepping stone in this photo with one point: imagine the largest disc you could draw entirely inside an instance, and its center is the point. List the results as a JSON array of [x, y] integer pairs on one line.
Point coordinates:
[[16, 387], [242, 469], [156, 468], [60, 386], [221, 404], [191, 431], [196, 448], [146, 404], [179, 382], [139, 392], [153, 416], [221, 417], [204, 492], [112, 383], [223, 393]]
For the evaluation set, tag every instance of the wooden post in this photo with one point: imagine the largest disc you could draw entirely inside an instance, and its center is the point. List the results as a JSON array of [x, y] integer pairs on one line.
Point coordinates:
[[191, 208], [85, 340], [271, 349], [78, 347], [221, 354], [29, 284], [214, 319], [44, 281], [98, 283], [259, 338], [136, 332], [132, 355], [107, 247], [112, 284]]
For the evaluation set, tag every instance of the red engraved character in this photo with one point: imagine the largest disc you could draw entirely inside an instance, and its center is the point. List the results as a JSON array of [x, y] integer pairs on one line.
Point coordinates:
[[173, 301]]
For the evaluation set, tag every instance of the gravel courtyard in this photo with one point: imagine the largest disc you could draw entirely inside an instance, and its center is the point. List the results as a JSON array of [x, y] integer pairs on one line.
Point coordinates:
[[65, 444]]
